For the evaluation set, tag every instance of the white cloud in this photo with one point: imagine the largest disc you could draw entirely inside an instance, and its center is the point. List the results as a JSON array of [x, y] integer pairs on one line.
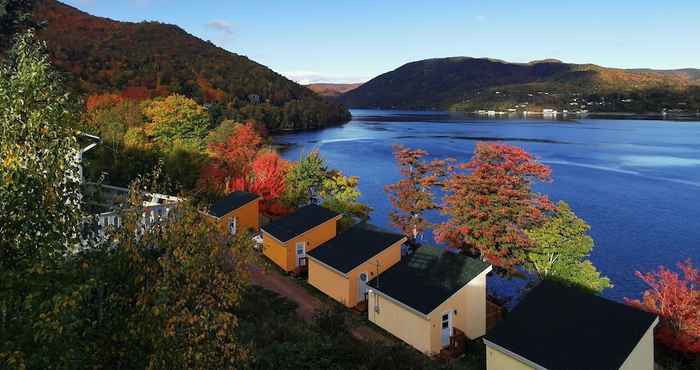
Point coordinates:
[[221, 26], [310, 77]]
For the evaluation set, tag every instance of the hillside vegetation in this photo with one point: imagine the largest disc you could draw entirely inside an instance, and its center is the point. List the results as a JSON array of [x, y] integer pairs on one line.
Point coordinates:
[[331, 89], [463, 83], [150, 59]]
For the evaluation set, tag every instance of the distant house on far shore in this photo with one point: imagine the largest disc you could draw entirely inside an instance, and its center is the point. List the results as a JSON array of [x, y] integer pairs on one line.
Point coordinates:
[[558, 327], [236, 212]]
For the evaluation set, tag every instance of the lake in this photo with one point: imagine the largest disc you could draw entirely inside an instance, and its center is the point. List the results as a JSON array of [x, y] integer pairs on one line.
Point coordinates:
[[637, 183]]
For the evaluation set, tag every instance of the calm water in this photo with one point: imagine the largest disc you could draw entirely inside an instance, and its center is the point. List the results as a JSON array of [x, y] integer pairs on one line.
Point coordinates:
[[637, 183]]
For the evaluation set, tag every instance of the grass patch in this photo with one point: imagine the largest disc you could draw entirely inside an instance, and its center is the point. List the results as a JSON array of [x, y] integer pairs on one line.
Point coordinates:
[[279, 339]]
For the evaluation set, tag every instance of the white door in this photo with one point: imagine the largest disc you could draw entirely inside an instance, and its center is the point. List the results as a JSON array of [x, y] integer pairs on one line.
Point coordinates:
[[446, 328], [232, 226], [362, 286], [301, 253]]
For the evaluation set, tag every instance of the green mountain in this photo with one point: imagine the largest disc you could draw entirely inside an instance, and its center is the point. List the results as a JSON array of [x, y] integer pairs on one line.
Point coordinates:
[[149, 59], [469, 84]]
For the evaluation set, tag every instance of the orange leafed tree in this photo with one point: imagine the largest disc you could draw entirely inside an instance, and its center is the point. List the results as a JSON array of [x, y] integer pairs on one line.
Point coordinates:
[[100, 101], [676, 300], [490, 203], [413, 195], [240, 164]]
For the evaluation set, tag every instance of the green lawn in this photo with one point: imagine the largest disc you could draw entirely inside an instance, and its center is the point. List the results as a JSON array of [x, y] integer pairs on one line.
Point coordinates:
[[279, 339]]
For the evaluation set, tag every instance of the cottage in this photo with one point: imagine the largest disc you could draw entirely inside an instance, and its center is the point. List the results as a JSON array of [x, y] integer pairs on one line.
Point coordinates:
[[237, 211], [430, 297], [558, 327], [342, 267], [287, 240]]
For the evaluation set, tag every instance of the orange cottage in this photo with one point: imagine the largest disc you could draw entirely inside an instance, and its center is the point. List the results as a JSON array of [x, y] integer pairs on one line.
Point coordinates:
[[342, 267], [287, 240], [236, 212]]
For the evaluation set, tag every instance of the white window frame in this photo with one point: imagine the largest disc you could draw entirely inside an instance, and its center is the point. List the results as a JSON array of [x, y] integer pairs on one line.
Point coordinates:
[[303, 251]]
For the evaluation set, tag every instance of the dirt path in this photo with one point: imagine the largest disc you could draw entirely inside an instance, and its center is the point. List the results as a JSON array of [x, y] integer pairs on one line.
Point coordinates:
[[307, 304]]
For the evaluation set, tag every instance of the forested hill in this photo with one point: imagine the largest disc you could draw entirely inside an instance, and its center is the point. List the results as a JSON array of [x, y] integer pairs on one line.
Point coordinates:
[[150, 59], [463, 83], [332, 89]]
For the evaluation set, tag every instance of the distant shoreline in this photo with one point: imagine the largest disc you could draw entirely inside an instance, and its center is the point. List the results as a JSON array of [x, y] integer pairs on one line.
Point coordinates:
[[686, 117]]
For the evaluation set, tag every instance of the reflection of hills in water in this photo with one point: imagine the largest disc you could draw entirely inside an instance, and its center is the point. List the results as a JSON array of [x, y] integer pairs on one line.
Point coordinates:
[[485, 138]]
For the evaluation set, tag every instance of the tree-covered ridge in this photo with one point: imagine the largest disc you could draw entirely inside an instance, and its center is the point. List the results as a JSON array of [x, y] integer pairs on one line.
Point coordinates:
[[150, 59], [470, 84]]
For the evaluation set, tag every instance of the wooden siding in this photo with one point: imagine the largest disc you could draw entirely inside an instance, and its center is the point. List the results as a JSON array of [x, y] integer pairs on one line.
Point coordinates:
[[424, 332], [497, 360], [344, 288], [642, 357], [403, 323], [284, 254], [330, 282]]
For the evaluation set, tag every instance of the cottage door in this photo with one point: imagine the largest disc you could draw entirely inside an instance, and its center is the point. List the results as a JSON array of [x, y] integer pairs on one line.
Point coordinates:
[[362, 287], [301, 254], [233, 226], [446, 328]]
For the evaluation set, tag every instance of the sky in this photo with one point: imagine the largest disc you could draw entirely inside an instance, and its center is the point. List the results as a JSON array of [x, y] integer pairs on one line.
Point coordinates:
[[356, 40]]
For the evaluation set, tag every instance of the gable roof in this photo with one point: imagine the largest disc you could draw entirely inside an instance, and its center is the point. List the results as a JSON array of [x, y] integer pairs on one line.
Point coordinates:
[[354, 247], [428, 277], [230, 202], [559, 327], [294, 224]]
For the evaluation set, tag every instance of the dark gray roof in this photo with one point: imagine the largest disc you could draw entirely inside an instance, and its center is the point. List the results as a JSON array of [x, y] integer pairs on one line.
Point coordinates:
[[294, 224], [353, 247], [428, 277], [559, 327], [231, 202]]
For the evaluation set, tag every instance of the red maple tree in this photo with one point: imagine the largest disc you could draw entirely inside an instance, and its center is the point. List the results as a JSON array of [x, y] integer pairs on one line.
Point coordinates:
[[677, 302], [490, 202], [240, 164], [232, 160], [267, 180], [137, 93], [413, 195]]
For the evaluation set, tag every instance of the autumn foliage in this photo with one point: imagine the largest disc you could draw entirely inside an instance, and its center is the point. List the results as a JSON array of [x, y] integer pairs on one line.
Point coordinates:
[[676, 300], [102, 101], [490, 204], [413, 195], [241, 164], [146, 60]]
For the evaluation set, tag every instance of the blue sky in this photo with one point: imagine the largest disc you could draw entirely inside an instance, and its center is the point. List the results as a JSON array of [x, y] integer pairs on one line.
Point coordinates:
[[349, 41]]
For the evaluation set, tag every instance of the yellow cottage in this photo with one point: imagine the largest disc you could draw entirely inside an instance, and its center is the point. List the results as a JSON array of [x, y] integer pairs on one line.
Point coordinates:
[[286, 241], [236, 212], [430, 297], [558, 327], [342, 267]]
